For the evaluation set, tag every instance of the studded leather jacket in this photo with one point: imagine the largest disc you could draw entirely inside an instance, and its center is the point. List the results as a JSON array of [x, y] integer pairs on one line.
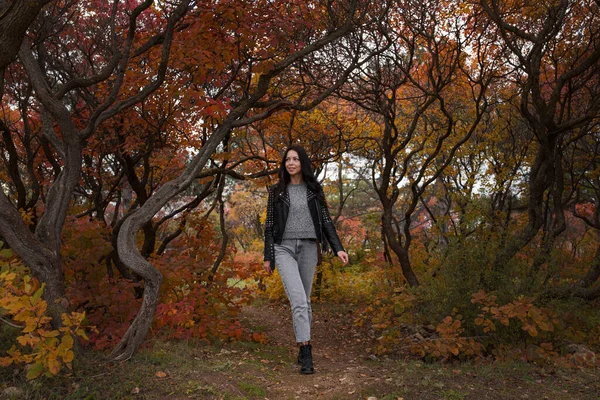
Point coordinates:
[[278, 207]]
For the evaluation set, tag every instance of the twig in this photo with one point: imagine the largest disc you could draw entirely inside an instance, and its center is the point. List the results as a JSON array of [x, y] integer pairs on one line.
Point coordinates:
[[11, 324]]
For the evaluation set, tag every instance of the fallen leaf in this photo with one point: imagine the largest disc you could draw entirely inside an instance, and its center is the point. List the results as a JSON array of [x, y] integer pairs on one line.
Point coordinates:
[[161, 374]]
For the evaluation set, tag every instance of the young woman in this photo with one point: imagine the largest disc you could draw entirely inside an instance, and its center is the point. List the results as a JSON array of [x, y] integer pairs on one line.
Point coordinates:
[[297, 221]]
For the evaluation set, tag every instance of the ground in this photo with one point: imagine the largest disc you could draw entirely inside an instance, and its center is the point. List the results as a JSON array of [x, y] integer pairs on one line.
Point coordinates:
[[344, 369]]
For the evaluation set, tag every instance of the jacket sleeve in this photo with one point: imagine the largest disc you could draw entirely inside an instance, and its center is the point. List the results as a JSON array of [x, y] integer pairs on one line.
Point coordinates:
[[329, 227], [269, 250]]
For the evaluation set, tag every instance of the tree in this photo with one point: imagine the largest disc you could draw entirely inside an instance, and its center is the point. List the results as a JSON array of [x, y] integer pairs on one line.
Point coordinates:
[[259, 95], [413, 93], [553, 52], [78, 85]]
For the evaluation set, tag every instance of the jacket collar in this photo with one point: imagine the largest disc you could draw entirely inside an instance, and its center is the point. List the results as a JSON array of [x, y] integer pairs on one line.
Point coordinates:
[[285, 196]]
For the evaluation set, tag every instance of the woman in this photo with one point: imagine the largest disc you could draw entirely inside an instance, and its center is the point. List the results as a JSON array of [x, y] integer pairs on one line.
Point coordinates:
[[297, 221]]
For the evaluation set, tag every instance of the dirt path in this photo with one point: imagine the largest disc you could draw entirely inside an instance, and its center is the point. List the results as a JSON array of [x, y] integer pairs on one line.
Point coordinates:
[[342, 364], [344, 369]]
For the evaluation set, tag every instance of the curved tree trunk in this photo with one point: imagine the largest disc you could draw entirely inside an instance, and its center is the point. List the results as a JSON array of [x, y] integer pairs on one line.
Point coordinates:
[[131, 256], [399, 250], [128, 253]]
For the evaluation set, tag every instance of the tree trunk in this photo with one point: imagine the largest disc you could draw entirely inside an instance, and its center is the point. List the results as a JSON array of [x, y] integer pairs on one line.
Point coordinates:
[[128, 253], [15, 18], [400, 251], [45, 264], [540, 178], [131, 256]]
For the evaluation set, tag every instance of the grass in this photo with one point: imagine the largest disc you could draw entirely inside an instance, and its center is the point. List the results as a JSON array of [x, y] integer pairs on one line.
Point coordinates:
[[452, 394], [252, 389]]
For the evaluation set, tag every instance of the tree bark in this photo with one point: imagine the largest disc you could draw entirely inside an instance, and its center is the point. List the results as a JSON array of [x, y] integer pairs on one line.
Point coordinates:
[[43, 262], [15, 18], [398, 249]]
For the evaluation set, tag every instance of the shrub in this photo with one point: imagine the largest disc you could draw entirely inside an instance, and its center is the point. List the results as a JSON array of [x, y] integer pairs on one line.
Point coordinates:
[[43, 349]]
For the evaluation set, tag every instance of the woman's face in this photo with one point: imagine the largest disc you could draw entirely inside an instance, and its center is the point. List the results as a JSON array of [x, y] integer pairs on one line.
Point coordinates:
[[292, 163]]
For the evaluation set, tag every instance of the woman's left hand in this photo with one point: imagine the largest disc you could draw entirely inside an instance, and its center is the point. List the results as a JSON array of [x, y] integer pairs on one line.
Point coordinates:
[[342, 255]]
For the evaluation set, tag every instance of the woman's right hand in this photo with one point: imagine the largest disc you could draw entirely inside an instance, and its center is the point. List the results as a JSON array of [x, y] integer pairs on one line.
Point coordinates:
[[267, 266]]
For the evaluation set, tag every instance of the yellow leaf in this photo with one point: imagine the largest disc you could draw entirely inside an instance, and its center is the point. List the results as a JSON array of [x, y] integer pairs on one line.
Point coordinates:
[[48, 334], [41, 308], [26, 340], [53, 364], [5, 361], [28, 358], [69, 356], [9, 276], [67, 341], [81, 333]]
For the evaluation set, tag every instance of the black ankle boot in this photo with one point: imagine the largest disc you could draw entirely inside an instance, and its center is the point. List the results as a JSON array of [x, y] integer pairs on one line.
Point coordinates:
[[300, 355], [305, 359]]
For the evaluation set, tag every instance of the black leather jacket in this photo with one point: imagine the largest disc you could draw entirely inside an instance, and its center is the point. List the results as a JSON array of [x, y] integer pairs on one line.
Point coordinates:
[[278, 208]]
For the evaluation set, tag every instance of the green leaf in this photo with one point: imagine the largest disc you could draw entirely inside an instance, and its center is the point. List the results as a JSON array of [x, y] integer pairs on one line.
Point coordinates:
[[38, 293], [399, 308], [6, 253], [35, 371]]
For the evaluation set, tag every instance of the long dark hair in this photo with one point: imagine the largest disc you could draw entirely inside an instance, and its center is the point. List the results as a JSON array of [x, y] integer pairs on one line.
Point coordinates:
[[307, 173]]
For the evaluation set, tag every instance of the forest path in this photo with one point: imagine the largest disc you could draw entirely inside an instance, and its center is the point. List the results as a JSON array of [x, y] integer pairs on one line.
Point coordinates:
[[345, 369], [343, 366]]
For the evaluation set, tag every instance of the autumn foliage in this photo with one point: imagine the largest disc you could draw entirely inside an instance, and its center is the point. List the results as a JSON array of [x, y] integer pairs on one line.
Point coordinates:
[[457, 143], [46, 350]]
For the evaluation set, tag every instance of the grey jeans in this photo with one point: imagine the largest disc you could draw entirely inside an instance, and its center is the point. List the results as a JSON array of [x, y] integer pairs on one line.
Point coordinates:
[[296, 260]]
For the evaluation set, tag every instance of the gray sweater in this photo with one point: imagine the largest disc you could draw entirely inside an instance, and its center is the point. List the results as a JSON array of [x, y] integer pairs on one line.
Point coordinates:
[[299, 223]]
